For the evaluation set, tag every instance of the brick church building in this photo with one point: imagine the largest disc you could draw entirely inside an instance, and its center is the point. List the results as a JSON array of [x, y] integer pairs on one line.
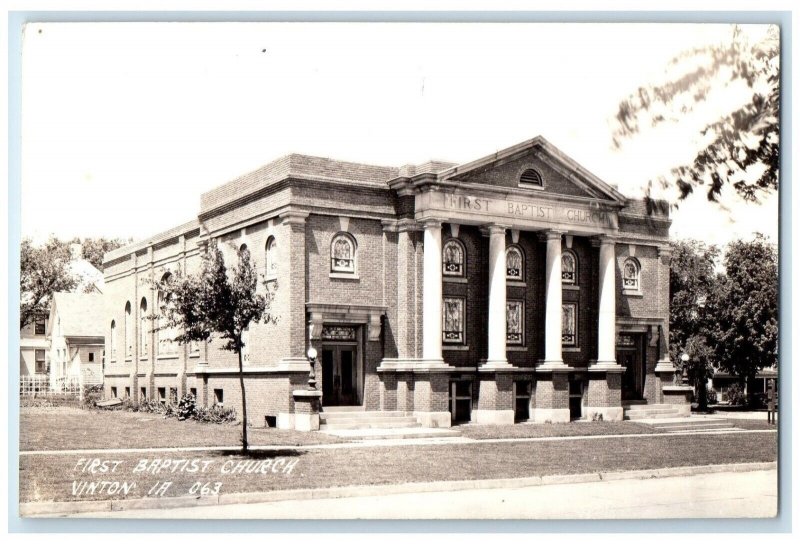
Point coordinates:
[[517, 287]]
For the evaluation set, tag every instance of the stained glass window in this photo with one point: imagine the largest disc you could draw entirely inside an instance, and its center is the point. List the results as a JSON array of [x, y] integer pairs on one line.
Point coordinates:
[[453, 258], [631, 274], [569, 268], [515, 322], [343, 254], [453, 320], [569, 325], [272, 261], [514, 264]]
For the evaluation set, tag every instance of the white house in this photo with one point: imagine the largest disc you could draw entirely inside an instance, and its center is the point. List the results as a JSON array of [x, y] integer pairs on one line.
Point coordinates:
[[77, 339]]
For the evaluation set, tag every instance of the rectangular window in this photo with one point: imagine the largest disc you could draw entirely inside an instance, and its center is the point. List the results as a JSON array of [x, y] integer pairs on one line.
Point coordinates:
[[91, 357], [143, 394], [40, 327], [193, 392], [453, 320], [515, 322], [173, 395], [162, 395], [569, 325], [41, 362], [113, 392], [127, 392], [219, 400]]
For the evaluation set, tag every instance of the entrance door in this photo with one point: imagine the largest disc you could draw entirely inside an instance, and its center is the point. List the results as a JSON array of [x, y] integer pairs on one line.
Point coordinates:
[[339, 375], [630, 354]]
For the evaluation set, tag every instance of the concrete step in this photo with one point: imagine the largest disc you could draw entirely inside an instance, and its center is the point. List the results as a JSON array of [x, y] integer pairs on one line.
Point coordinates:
[[336, 409], [373, 421], [402, 424], [330, 416], [645, 406], [658, 413]]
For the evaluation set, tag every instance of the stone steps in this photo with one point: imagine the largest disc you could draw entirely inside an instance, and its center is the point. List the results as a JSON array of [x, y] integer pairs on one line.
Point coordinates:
[[655, 413], [351, 419]]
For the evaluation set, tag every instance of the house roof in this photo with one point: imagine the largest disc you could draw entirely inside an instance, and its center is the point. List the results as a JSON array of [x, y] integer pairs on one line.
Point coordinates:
[[81, 314]]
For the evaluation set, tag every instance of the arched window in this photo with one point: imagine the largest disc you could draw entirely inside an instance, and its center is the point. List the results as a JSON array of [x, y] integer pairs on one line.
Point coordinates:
[[166, 335], [244, 252], [515, 263], [453, 258], [343, 254], [128, 331], [271, 270], [113, 340], [631, 274], [569, 267], [531, 177], [143, 328]]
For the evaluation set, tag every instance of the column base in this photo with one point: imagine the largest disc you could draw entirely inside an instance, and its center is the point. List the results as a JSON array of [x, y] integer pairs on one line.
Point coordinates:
[[495, 364], [555, 365], [433, 419], [494, 417], [605, 413], [550, 415], [606, 366]]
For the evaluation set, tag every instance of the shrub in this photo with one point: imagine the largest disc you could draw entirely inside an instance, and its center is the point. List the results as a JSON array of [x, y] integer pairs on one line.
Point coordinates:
[[91, 394], [187, 407], [215, 414], [711, 396], [736, 395]]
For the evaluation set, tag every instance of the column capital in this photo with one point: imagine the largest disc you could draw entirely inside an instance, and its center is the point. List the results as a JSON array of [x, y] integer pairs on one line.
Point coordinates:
[[551, 234], [604, 240], [494, 228], [432, 222]]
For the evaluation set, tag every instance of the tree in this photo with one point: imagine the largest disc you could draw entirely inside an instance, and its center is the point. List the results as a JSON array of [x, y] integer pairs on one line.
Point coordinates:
[[692, 281], [216, 302], [741, 147], [44, 270], [93, 249], [745, 309], [699, 367]]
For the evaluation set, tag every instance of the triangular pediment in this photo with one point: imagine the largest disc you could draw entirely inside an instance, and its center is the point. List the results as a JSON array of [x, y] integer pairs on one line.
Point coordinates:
[[560, 174]]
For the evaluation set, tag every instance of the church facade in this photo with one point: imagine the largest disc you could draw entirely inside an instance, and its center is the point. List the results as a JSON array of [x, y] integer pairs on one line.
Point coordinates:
[[517, 287]]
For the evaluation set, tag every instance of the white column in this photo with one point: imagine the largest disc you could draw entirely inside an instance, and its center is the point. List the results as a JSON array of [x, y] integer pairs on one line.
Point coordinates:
[[552, 315], [607, 306], [432, 292], [497, 297]]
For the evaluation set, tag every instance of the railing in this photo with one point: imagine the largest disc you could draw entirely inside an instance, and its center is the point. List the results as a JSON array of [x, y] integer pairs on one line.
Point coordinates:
[[32, 386]]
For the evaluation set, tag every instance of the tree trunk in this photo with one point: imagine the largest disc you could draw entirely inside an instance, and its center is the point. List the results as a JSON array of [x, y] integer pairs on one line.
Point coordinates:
[[244, 400]]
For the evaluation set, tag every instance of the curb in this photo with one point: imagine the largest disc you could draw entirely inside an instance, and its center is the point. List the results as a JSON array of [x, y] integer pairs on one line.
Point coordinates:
[[56, 509]]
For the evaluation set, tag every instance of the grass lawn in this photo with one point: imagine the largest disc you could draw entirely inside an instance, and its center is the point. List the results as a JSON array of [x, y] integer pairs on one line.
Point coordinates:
[[51, 477], [65, 428]]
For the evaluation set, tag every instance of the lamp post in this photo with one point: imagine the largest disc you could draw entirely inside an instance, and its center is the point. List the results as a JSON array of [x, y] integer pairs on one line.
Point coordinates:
[[312, 359], [685, 360]]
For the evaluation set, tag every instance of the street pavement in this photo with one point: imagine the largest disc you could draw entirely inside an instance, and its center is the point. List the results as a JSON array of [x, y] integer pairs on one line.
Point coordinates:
[[717, 495]]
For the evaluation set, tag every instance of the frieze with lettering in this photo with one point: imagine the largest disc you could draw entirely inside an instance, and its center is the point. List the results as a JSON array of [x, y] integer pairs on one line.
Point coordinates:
[[532, 210]]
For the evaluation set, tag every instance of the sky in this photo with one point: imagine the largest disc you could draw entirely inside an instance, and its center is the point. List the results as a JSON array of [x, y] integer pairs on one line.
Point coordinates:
[[125, 125]]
